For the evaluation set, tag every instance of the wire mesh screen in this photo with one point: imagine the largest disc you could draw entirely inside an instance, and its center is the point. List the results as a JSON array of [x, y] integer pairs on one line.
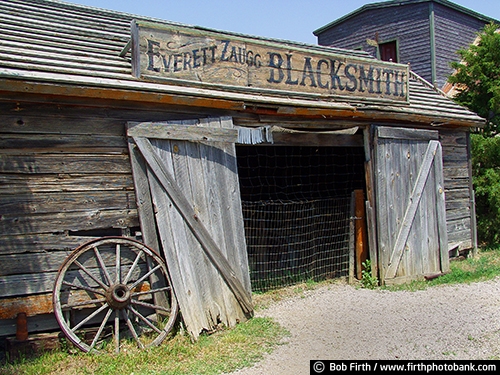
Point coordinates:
[[296, 208]]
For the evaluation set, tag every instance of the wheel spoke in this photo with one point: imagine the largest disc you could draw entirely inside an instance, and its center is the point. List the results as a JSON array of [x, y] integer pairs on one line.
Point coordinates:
[[149, 305], [136, 261], [144, 319], [88, 289], [96, 288], [132, 329], [118, 263], [117, 331], [101, 328], [144, 277], [99, 310], [103, 266], [152, 291], [84, 269]]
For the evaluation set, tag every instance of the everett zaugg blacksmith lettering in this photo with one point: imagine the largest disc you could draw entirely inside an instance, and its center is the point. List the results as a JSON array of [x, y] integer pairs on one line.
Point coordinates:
[[162, 59], [210, 59], [334, 75]]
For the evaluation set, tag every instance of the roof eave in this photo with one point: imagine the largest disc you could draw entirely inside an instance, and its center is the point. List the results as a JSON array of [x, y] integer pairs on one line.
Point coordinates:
[[283, 107]]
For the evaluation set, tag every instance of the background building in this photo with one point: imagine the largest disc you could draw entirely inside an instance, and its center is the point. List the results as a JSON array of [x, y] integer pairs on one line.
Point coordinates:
[[423, 33]]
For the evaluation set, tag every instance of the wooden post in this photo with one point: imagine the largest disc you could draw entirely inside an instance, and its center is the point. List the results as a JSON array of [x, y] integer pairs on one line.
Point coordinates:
[[352, 238], [361, 233]]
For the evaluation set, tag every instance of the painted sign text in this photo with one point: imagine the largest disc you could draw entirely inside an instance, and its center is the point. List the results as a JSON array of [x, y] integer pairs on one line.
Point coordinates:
[[181, 55]]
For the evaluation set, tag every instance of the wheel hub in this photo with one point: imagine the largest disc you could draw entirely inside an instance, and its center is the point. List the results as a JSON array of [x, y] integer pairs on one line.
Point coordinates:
[[118, 296]]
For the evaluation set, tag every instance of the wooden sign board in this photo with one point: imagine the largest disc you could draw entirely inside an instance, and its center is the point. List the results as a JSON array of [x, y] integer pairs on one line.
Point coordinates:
[[194, 57]]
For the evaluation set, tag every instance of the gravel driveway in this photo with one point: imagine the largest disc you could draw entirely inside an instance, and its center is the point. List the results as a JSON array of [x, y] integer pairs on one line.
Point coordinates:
[[341, 322]]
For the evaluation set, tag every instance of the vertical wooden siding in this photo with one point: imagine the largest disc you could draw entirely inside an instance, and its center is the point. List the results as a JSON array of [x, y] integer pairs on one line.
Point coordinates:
[[453, 30], [457, 188], [408, 24], [410, 204], [196, 196]]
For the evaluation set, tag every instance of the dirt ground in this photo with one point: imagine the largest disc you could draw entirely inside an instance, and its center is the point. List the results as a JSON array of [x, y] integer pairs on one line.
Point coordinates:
[[339, 321]]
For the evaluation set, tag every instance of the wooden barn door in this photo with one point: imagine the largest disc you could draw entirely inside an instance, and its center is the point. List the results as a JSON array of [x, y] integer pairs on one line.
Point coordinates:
[[411, 217], [187, 191]]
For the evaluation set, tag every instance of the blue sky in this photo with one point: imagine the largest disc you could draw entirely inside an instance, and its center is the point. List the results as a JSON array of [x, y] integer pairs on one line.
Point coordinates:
[[283, 19]]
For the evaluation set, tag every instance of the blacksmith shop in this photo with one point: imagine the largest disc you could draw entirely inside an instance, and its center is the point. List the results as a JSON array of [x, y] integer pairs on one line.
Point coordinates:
[[152, 171]]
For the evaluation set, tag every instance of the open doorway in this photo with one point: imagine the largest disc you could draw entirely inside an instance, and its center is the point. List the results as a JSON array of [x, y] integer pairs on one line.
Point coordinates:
[[297, 206]]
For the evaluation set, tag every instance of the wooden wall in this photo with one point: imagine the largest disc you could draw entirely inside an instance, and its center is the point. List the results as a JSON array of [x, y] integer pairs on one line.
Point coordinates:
[[457, 182], [454, 30], [408, 24], [65, 178]]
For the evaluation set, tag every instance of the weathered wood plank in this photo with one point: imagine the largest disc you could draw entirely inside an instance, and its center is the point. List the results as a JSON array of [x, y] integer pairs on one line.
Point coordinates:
[[183, 132], [361, 244], [37, 323], [382, 208], [441, 213], [462, 238], [50, 143], [222, 196], [191, 173], [458, 184], [407, 134], [177, 247], [143, 198], [455, 172], [71, 163], [458, 204], [411, 210], [44, 120], [15, 264], [202, 293], [455, 194], [457, 213], [232, 218], [453, 137], [189, 215], [370, 177], [64, 182], [459, 225], [31, 305], [59, 202], [26, 284], [203, 134], [455, 155], [398, 164], [454, 183], [69, 221], [30, 263], [41, 242]]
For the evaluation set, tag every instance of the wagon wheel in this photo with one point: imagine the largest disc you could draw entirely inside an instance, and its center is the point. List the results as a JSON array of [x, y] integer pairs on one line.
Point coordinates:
[[114, 286]]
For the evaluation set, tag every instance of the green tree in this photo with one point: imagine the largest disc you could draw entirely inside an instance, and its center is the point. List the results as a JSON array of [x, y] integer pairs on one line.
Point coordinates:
[[486, 179], [477, 78]]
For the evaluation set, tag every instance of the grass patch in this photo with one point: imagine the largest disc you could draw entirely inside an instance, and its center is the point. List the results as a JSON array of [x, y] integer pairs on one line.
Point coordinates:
[[223, 351], [228, 349], [482, 267]]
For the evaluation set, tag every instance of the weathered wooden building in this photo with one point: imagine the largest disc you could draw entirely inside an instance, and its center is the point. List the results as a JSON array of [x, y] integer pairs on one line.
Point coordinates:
[[113, 124], [424, 33]]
